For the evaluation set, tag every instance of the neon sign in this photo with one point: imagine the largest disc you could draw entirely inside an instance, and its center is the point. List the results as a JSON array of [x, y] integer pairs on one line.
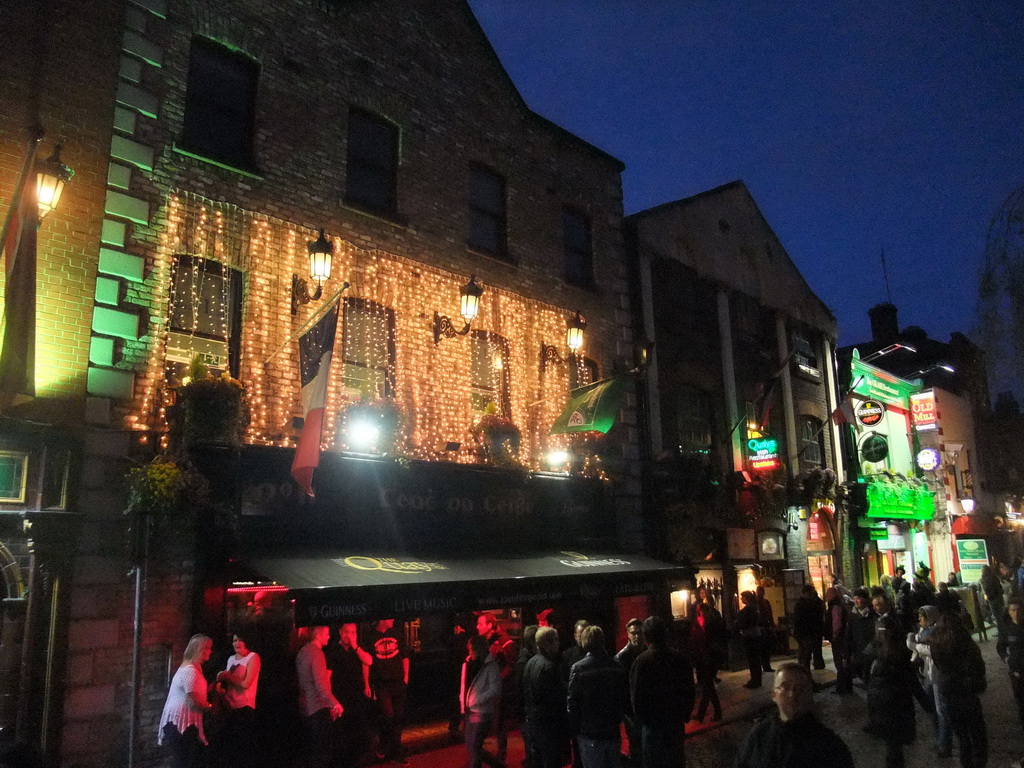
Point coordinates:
[[763, 453]]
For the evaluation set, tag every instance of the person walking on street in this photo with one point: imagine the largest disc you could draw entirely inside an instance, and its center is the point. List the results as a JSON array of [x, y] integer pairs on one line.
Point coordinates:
[[705, 664], [545, 698], [350, 684], [890, 703], [662, 691], [793, 737], [630, 652], [748, 624], [860, 632], [960, 676], [1011, 650], [481, 697], [181, 723], [596, 702], [906, 613], [767, 621], [899, 578], [808, 627], [920, 647], [504, 652], [517, 698], [836, 618], [316, 700], [993, 590], [389, 681], [570, 656]]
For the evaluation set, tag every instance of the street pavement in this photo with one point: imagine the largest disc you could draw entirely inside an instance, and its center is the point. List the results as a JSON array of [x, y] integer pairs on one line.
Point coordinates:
[[714, 745]]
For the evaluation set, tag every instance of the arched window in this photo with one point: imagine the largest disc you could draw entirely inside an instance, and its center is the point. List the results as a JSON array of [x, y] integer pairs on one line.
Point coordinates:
[[368, 349], [812, 443], [490, 376]]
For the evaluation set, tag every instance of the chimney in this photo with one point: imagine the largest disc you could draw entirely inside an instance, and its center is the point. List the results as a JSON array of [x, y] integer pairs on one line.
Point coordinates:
[[884, 325]]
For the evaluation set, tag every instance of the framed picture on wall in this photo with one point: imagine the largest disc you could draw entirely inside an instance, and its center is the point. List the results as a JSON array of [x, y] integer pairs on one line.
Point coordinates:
[[740, 543], [770, 546]]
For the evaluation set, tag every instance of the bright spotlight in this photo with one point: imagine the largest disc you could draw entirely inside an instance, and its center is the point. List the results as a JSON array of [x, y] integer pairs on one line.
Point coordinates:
[[363, 435], [558, 458]]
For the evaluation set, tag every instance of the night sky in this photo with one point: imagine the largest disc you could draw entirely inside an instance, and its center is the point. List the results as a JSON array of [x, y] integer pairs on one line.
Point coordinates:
[[858, 126]]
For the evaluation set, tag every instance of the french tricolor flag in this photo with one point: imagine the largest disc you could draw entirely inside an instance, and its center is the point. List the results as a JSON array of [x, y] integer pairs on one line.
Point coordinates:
[[316, 346]]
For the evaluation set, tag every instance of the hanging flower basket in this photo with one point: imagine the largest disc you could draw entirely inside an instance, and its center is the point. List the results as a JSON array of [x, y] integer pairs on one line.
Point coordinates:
[[211, 410], [498, 439]]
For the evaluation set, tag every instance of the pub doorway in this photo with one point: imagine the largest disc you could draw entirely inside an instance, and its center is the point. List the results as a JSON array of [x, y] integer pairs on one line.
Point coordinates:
[[821, 549]]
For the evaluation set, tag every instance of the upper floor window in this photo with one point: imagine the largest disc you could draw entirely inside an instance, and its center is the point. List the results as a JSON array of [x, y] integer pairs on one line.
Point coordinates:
[[577, 248], [582, 371], [805, 357], [812, 443], [490, 376], [371, 168], [693, 420], [368, 349], [205, 315], [220, 104], [487, 212]]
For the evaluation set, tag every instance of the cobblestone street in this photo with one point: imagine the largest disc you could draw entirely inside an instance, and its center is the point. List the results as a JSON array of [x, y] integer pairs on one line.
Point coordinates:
[[846, 715]]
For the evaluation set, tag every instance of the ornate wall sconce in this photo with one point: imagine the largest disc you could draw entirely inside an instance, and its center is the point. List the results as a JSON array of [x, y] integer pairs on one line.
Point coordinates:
[[321, 251], [469, 305]]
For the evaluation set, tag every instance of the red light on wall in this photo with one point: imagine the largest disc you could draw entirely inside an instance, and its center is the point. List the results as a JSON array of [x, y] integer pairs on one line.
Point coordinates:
[[762, 464], [253, 588]]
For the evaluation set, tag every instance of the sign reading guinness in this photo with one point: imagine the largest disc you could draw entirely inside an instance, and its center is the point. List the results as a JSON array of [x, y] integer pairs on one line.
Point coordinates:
[[870, 412]]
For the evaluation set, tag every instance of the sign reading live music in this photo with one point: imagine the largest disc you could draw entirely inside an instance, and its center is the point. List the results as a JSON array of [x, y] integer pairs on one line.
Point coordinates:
[[923, 412]]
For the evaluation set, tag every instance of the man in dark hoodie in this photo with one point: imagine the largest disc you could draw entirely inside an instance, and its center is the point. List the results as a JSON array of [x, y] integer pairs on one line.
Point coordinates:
[[793, 737], [860, 634], [597, 702]]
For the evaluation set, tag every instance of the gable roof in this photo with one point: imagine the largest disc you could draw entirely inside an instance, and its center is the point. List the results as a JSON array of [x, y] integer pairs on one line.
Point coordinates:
[[722, 234]]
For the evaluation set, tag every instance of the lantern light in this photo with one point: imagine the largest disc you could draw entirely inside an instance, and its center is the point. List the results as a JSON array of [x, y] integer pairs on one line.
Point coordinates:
[[51, 176], [469, 306], [321, 252], [574, 334], [968, 505]]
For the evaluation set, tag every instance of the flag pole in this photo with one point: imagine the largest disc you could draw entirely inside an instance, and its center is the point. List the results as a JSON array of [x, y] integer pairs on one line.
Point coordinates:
[[309, 323]]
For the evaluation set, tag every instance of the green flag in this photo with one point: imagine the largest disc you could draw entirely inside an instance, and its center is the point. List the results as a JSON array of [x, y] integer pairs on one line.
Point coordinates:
[[592, 408]]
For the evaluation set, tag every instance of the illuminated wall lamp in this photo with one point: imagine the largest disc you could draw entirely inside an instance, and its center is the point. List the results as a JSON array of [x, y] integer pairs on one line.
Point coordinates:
[[321, 252], [968, 504], [574, 334], [469, 305], [51, 176]]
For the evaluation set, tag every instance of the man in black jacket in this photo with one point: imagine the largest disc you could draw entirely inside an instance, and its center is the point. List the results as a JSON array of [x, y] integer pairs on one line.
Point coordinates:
[[662, 691], [596, 702], [793, 737], [860, 636], [544, 697]]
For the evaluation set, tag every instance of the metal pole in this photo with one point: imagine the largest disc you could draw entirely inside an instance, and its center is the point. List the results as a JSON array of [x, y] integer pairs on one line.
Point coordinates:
[[140, 580]]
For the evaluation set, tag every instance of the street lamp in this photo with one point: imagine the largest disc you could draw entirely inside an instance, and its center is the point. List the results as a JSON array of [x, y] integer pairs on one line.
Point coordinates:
[[51, 176], [574, 334], [469, 306], [968, 504], [886, 351], [321, 252]]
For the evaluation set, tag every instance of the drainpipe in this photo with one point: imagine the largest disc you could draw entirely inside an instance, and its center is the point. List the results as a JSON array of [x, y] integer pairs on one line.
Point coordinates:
[[729, 377]]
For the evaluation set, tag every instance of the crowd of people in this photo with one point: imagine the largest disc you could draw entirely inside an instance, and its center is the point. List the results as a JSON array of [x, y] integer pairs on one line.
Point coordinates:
[[907, 643]]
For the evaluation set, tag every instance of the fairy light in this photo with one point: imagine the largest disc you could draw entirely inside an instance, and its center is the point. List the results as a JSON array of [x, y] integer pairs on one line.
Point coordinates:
[[432, 385]]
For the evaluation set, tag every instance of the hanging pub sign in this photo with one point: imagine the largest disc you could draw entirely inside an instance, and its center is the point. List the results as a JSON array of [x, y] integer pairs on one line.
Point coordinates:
[[928, 459], [870, 412], [763, 453], [923, 412], [874, 448]]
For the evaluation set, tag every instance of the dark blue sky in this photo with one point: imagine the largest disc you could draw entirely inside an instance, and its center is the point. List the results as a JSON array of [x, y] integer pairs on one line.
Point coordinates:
[[858, 126]]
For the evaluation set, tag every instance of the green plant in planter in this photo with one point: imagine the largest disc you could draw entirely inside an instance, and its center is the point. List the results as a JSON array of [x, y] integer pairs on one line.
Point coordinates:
[[371, 425], [211, 409], [497, 437], [163, 487]]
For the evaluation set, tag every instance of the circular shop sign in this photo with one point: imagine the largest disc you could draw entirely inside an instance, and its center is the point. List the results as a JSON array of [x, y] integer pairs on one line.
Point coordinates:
[[928, 459], [870, 412], [874, 448]]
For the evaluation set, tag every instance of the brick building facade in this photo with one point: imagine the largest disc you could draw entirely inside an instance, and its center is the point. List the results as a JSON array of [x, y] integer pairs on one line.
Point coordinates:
[[388, 123]]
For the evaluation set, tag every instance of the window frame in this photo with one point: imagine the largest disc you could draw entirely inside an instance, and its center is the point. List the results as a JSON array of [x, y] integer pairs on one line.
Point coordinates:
[[233, 281], [569, 249], [201, 108], [502, 398], [381, 168], [497, 219], [353, 302], [576, 364], [815, 436]]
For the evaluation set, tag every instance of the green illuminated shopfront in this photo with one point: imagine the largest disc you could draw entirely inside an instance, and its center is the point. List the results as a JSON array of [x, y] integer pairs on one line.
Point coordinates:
[[892, 501]]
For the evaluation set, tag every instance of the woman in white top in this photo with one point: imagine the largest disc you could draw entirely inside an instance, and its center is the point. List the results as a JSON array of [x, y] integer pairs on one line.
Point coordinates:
[[239, 681], [181, 724]]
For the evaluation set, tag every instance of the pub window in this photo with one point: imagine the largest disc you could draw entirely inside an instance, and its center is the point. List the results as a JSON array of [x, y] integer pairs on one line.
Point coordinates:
[[13, 471], [582, 371], [693, 420], [812, 443], [368, 349], [205, 316], [490, 375], [577, 248], [220, 104], [371, 166], [486, 212], [804, 355]]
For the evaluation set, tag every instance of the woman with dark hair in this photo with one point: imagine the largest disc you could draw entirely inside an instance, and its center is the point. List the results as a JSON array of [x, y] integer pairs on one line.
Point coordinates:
[[181, 723], [890, 702], [705, 663], [959, 674], [238, 739]]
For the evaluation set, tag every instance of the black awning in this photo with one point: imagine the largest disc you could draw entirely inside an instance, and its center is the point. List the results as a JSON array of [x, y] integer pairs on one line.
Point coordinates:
[[338, 587]]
